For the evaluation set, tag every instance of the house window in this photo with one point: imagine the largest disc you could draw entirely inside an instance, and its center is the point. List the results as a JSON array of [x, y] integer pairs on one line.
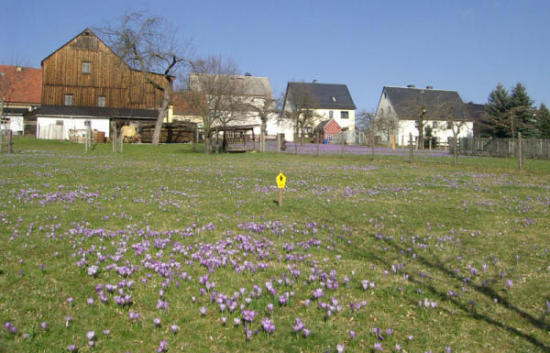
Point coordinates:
[[101, 101], [86, 67], [59, 122], [449, 124], [435, 124], [344, 115], [68, 99], [330, 114]]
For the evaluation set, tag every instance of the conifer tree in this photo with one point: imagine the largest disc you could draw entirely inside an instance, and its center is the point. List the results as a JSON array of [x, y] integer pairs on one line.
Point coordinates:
[[544, 122]]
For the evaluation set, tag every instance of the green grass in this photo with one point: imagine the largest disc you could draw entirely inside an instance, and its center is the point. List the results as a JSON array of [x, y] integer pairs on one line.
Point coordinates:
[[455, 235]]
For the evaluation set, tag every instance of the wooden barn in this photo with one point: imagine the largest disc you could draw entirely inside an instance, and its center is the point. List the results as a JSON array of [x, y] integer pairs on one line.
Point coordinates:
[[86, 80]]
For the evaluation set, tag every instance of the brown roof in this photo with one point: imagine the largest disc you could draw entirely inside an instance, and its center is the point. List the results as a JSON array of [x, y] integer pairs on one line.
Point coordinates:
[[21, 84], [182, 102]]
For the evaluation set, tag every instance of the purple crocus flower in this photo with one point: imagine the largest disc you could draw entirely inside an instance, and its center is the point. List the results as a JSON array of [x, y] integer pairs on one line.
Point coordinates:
[[378, 346], [90, 335], [174, 328], [71, 348], [352, 334], [318, 293], [203, 310], [156, 321], [299, 326], [44, 325], [249, 315], [268, 325], [340, 348], [163, 346]]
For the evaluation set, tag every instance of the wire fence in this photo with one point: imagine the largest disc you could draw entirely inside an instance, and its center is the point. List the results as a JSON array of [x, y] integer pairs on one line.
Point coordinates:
[[505, 147]]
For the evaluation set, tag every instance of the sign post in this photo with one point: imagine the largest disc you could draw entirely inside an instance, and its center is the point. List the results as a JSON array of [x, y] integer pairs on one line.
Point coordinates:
[[281, 182]]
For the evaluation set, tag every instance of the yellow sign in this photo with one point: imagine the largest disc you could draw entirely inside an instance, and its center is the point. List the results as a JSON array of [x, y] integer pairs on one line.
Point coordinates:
[[281, 181]]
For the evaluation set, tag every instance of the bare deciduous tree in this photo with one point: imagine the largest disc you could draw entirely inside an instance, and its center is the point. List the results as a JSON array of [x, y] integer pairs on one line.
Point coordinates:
[[386, 124], [299, 108], [215, 94], [268, 107], [148, 44]]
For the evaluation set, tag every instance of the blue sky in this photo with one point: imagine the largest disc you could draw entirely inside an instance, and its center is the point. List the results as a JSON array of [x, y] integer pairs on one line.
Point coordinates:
[[468, 46]]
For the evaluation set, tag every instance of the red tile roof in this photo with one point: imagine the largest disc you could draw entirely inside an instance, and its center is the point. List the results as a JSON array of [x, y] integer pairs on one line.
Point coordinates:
[[182, 102], [21, 84]]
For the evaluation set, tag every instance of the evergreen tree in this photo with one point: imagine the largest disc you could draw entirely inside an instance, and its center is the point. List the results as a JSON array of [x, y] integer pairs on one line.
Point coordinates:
[[544, 122], [496, 122], [522, 113]]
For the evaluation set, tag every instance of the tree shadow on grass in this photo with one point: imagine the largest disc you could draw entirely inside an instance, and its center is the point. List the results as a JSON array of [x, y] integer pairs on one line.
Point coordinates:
[[486, 291]]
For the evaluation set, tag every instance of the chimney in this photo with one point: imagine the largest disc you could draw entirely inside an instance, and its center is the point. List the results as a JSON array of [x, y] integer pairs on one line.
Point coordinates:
[[18, 69], [429, 87], [411, 86]]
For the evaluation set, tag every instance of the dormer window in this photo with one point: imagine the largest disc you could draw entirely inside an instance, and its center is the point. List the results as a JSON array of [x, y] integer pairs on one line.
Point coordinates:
[[333, 99], [86, 67]]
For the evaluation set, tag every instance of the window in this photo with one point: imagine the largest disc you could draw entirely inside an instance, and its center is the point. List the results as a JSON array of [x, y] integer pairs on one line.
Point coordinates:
[[331, 114], [68, 99], [449, 124], [59, 122], [344, 115], [101, 101], [435, 125], [86, 67]]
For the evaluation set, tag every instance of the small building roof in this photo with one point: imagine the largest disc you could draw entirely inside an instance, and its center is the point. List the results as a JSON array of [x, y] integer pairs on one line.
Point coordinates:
[[321, 126], [94, 112], [21, 84], [408, 102], [324, 95]]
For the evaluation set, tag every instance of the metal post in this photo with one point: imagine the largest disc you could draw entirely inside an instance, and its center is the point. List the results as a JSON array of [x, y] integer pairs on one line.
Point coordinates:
[[318, 141]]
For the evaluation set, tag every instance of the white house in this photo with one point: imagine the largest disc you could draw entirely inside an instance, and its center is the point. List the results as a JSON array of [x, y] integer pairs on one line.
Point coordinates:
[[440, 110], [323, 101]]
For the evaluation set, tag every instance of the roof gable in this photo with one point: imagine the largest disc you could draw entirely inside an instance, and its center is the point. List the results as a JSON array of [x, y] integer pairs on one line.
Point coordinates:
[[21, 84], [410, 102], [325, 95]]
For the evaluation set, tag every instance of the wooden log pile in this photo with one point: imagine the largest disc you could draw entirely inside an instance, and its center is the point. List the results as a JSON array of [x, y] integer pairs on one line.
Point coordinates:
[[176, 132]]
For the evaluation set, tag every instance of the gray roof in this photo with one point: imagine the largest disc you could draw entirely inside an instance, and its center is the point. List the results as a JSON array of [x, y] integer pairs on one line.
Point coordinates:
[[408, 102], [95, 112], [325, 95], [250, 85], [476, 111]]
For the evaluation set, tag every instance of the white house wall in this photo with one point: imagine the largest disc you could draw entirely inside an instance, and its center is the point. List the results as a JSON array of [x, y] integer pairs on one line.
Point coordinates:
[[439, 130], [47, 128]]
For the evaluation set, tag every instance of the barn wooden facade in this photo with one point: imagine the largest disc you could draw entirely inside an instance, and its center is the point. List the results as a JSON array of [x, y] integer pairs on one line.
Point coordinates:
[[86, 72]]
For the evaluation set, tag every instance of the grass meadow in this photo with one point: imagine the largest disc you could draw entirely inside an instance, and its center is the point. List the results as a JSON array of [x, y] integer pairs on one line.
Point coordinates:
[[160, 249]]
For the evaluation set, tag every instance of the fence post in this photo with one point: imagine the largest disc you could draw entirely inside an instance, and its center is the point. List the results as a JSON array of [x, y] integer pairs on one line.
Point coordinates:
[[372, 143], [411, 148], [343, 143], [318, 141], [520, 151]]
